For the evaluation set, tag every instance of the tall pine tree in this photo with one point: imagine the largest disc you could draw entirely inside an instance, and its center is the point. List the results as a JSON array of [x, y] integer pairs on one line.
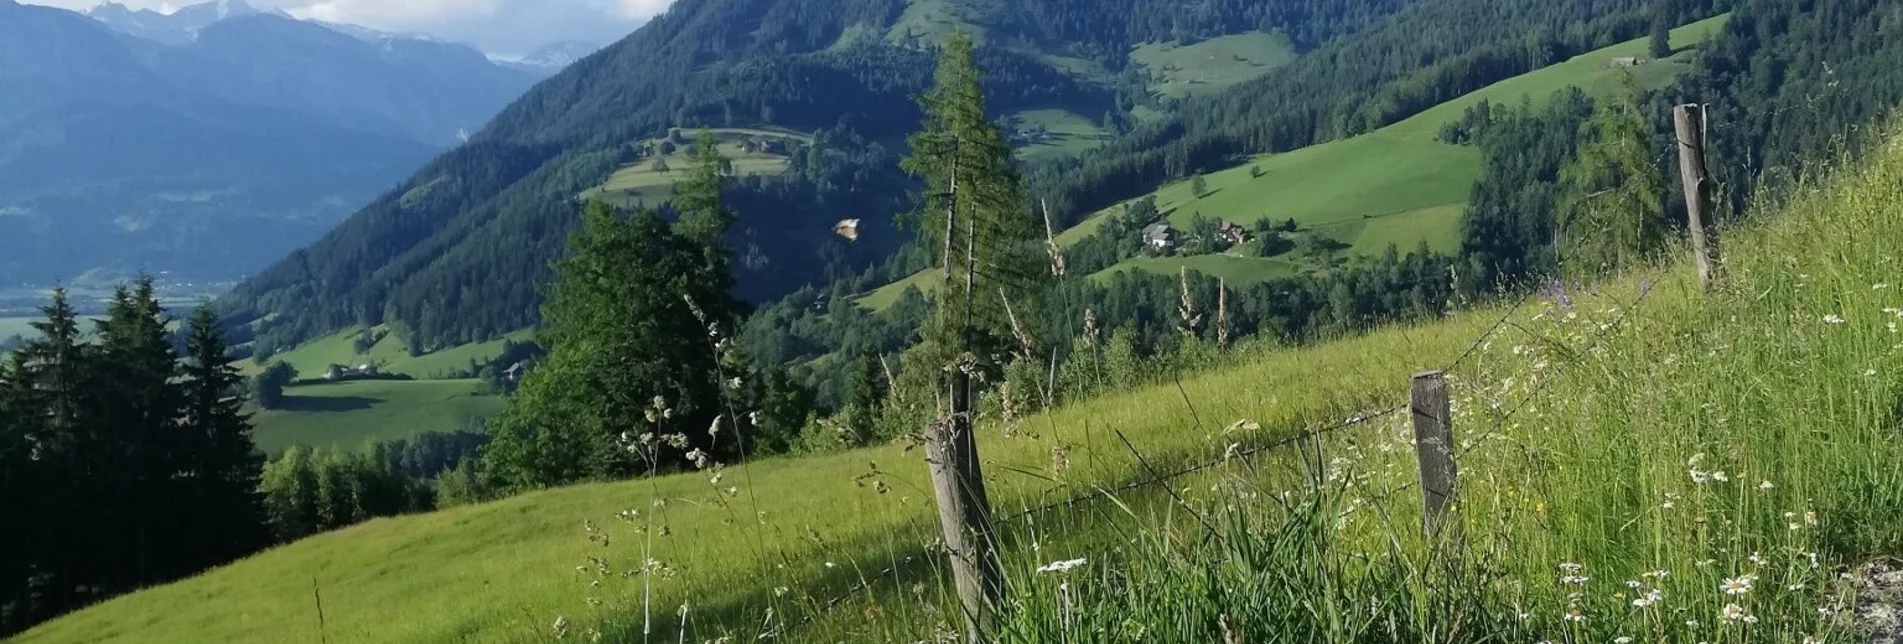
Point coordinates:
[[140, 400], [225, 505], [974, 218], [1611, 213]]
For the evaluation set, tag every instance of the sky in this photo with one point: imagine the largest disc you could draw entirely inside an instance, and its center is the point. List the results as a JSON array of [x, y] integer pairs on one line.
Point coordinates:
[[500, 27]]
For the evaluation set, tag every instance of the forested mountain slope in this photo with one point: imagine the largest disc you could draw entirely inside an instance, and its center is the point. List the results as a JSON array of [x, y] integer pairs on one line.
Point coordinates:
[[455, 252], [210, 156]]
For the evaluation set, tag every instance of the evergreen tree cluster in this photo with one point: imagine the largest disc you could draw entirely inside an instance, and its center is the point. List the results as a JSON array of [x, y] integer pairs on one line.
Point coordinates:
[[638, 326], [124, 462]]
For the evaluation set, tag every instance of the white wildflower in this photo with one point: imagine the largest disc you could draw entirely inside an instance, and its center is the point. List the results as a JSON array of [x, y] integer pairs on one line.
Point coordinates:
[[1833, 319], [1766, 485], [1720, 477], [1061, 566], [1738, 585], [1622, 639], [1757, 558], [1732, 613]]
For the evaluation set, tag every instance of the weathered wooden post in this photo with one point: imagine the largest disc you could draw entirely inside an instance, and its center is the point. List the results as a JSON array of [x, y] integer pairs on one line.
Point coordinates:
[[1434, 446], [964, 511], [1690, 126]]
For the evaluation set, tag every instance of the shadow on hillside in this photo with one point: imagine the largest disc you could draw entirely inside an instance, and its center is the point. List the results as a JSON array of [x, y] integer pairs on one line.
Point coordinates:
[[327, 403]]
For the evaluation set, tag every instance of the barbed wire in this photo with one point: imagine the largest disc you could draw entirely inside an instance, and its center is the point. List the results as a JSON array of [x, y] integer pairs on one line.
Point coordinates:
[[1354, 420]]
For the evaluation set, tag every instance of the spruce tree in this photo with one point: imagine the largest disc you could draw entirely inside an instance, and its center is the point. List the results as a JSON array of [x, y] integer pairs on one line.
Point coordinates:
[[226, 466], [1611, 213], [21, 497], [974, 216], [52, 380], [140, 401], [1661, 41]]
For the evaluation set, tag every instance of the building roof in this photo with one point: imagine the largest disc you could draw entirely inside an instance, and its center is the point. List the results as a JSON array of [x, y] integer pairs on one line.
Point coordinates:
[[1157, 229]]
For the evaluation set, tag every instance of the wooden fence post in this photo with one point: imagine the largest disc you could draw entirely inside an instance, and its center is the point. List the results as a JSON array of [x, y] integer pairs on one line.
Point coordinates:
[[1690, 126], [964, 511], [1434, 446]]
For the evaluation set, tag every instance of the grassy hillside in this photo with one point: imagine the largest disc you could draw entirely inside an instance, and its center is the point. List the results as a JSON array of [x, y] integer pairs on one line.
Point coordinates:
[[1397, 185], [312, 358], [1627, 428], [645, 182], [1213, 64], [350, 414], [1066, 134]]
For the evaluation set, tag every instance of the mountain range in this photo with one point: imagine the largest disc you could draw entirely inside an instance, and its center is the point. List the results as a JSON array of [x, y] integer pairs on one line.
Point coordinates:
[[210, 141]]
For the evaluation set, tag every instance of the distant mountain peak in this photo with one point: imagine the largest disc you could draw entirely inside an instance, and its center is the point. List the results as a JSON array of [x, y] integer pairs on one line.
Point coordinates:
[[553, 57], [177, 27]]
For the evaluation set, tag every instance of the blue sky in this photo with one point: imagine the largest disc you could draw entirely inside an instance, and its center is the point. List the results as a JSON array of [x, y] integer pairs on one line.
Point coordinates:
[[500, 27]]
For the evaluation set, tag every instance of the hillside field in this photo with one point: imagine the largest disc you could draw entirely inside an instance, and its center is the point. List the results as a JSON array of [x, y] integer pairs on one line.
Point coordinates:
[[1069, 134], [350, 414], [642, 183], [1631, 427], [1211, 65], [1398, 185], [312, 358]]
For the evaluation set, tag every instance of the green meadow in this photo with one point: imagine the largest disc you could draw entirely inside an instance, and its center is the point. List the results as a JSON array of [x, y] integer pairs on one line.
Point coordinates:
[[351, 414], [1210, 65]]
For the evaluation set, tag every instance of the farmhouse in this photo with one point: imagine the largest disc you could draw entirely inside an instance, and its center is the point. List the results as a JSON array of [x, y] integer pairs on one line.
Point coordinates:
[[1159, 237], [1232, 233], [340, 372], [1627, 61]]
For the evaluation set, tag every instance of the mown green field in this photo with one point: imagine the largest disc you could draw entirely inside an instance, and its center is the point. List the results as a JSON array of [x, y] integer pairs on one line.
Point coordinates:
[[1071, 134], [312, 358], [350, 414], [1628, 428], [643, 183], [1212, 64]]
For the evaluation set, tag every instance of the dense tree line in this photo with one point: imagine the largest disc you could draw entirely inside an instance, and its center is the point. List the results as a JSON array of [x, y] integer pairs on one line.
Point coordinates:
[[309, 491], [123, 462]]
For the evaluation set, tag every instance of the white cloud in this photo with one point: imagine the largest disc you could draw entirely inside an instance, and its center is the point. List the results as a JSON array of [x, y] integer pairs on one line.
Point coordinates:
[[401, 15], [641, 9]]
